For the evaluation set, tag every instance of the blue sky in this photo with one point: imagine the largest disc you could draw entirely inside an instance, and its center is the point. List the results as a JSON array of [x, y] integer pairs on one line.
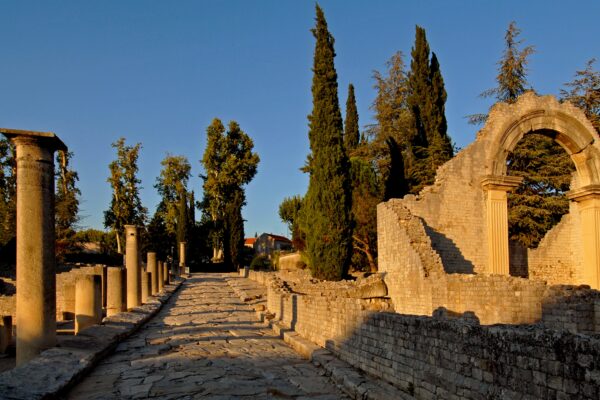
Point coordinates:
[[158, 72]]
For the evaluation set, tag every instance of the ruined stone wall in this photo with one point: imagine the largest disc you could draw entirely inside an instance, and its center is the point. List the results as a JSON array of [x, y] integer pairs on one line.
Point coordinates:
[[445, 357], [453, 209], [557, 259], [418, 284], [65, 288]]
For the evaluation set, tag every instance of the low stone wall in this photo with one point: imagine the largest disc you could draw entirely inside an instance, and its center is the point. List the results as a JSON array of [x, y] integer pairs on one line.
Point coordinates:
[[65, 288], [438, 357]]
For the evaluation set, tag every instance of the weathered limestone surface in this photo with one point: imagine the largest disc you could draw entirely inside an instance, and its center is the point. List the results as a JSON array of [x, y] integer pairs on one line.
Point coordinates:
[[49, 374], [36, 263], [205, 344], [463, 225], [116, 295], [132, 264], [446, 357], [152, 267], [88, 301]]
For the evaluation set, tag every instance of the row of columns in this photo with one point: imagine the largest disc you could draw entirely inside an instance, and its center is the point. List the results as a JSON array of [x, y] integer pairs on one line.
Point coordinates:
[[36, 263], [496, 190]]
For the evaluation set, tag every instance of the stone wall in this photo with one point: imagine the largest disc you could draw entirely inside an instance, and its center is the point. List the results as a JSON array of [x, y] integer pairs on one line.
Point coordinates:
[[557, 259], [440, 357], [65, 292], [65, 288], [452, 211]]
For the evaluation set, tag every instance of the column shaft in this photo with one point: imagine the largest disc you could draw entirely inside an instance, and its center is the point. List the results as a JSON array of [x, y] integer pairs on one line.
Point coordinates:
[[132, 263], [115, 299], [88, 301], [152, 268]]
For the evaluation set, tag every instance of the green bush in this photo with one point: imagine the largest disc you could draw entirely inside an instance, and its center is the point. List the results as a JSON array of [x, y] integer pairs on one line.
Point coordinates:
[[260, 262]]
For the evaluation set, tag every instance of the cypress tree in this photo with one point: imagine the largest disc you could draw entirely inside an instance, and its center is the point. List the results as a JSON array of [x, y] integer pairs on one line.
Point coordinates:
[[420, 171], [326, 209], [234, 231], [440, 145], [427, 101], [351, 131], [396, 185]]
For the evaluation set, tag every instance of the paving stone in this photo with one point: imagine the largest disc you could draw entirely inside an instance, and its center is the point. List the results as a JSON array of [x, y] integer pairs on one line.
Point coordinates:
[[206, 343]]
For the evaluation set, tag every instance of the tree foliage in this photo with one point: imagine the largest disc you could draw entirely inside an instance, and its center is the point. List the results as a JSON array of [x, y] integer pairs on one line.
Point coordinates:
[[539, 202], [429, 142], [8, 192], [289, 212], [126, 207], [366, 194], [351, 129], [66, 204], [512, 72], [326, 208], [229, 163], [584, 92], [172, 184]]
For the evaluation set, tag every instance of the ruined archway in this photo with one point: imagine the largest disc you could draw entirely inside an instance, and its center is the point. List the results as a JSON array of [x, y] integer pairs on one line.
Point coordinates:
[[568, 126]]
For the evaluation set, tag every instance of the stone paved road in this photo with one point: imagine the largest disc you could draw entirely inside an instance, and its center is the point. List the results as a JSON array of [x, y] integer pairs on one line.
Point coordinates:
[[205, 344]]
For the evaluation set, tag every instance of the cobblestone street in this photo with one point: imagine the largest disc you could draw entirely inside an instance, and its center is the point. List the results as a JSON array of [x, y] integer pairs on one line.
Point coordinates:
[[205, 343]]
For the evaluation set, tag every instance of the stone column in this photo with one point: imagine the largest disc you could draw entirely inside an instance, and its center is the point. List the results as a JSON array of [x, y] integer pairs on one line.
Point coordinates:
[[496, 189], [115, 301], [36, 263], [166, 277], [161, 279], [88, 301], [132, 263], [152, 268], [588, 202], [146, 286], [182, 258]]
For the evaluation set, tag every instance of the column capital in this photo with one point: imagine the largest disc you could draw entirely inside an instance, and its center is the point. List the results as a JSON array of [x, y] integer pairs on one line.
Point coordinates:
[[501, 182], [584, 193], [45, 139]]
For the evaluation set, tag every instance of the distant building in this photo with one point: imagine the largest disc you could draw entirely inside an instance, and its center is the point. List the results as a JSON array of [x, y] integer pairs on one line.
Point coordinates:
[[249, 242], [267, 243]]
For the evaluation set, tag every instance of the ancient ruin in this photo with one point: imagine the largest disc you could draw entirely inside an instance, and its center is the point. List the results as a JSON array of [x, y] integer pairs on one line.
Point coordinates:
[[36, 264], [448, 247]]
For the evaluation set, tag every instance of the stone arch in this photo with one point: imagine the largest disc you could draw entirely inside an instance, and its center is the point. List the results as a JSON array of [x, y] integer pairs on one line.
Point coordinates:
[[564, 123], [568, 126]]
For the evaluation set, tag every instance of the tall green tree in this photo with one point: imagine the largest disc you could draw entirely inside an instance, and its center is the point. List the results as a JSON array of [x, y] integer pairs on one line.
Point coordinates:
[[289, 212], [396, 185], [584, 92], [233, 242], [159, 239], [540, 201], [394, 118], [183, 222], [512, 72], [427, 98], [172, 184], [440, 144], [126, 206], [327, 205], [66, 204], [8, 192], [351, 130], [229, 164], [366, 194]]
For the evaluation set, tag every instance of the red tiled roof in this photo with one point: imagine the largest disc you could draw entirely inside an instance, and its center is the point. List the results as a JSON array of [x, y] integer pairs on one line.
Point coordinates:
[[280, 238], [249, 240]]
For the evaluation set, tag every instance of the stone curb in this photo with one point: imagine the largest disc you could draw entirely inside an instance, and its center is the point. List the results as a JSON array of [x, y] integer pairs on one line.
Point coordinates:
[[356, 384], [58, 368]]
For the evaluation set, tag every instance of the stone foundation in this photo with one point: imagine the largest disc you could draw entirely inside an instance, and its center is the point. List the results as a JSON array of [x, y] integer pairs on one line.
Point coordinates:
[[450, 355]]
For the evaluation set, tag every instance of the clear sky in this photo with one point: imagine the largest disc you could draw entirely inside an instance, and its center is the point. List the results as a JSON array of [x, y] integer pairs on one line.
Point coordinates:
[[157, 72]]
